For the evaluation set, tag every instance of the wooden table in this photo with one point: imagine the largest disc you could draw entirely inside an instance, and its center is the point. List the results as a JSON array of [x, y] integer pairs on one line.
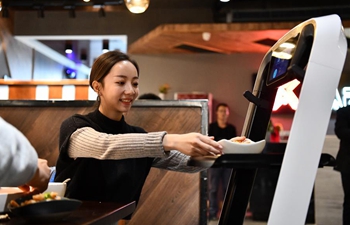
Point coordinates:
[[92, 213]]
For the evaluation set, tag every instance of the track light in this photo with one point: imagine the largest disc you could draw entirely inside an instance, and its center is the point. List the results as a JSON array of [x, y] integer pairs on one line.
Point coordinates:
[[105, 47], [137, 6], [72, 12], [69, 48], [101, 11], [83, 55], [41, 12]]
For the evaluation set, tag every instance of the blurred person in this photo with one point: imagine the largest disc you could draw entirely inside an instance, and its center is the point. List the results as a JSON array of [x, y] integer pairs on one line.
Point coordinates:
[[219, 177], [149, 96], [108, 159], [342, 130], [19, 162]]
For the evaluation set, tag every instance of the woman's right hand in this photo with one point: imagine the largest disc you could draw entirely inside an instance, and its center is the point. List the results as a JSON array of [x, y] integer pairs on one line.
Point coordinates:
[[192, 144]]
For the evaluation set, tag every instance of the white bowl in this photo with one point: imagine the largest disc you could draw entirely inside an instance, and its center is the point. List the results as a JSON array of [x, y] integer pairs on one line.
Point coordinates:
[[230, 147], [58, 187]]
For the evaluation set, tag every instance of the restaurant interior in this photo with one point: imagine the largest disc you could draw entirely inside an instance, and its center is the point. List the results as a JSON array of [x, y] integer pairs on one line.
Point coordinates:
[[199, 49]]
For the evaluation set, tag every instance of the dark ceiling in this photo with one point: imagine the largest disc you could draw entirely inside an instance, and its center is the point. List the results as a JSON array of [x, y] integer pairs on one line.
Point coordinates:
[[232, 11]]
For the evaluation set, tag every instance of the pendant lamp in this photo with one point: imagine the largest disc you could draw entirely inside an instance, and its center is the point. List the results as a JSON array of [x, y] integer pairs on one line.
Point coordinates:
[[137, 6]]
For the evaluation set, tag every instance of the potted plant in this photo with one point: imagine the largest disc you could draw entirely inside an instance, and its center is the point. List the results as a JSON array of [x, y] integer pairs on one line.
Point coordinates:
[[163, 90]]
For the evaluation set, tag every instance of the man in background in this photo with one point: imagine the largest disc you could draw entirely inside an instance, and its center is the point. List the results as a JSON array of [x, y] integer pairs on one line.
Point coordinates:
[[342, 130], [219, 177]]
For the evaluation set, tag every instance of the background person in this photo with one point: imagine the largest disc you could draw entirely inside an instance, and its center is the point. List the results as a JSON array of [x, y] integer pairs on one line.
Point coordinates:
[[108, 159], [219, 177], [150, 96], [19, 163], [342, 130]]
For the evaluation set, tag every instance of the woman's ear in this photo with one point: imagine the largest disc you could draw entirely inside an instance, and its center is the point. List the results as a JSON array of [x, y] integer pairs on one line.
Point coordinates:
[[96, 86]]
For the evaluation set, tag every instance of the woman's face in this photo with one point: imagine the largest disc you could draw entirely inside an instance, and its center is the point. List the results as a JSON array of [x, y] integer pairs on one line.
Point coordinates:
[[119, 91]]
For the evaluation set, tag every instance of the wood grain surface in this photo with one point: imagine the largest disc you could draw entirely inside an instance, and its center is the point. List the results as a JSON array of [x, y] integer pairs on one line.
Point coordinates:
[[41, 126], [225, 38], [168, 197]]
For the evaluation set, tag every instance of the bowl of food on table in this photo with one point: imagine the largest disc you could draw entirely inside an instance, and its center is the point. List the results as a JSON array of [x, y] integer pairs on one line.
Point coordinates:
[[47, 206]]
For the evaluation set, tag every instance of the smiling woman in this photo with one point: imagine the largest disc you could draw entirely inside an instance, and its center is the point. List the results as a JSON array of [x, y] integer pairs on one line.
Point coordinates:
[[106, 158]]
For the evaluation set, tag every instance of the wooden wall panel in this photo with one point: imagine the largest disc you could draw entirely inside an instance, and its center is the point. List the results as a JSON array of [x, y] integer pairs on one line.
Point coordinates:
[[22, 92], [41, 126], [81, 92], [55, 92], [168, 197]]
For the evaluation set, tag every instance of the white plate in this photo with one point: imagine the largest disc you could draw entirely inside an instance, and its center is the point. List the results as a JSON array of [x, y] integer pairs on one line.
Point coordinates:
[[230, 147]]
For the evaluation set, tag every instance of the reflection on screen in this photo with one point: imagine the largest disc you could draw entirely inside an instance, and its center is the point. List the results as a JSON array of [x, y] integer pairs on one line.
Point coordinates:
[[279, 67], [280, 61]]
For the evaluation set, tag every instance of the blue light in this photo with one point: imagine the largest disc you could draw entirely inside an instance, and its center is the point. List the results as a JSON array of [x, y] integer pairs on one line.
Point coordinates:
[[70, 73]]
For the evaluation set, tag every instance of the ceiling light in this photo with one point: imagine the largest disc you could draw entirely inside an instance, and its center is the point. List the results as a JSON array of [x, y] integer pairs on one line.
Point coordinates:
[[206, 36], [86, 0], [105, 47], [137, 6], [287, 45], [69, 48], [224, 0]]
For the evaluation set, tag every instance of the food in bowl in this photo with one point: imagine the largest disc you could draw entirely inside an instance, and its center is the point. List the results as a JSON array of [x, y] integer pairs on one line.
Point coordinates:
[[241, 145], [44, 209], [241, 140], [47, 196]]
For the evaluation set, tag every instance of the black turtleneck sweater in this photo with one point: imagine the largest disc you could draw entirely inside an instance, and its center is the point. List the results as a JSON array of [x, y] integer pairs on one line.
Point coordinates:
[[100, 180]]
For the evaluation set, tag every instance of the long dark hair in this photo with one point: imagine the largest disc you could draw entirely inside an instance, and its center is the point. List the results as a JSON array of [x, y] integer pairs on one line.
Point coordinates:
[[104, 63]]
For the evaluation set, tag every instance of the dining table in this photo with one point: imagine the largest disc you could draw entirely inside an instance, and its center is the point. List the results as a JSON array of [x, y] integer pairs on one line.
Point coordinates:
[[89, 213]]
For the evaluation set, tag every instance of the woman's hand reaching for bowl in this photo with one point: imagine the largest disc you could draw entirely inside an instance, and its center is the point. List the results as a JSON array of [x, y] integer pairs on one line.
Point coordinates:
[[192, 144]]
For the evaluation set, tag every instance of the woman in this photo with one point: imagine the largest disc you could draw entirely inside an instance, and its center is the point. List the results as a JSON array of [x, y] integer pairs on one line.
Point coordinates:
[[109, 160]]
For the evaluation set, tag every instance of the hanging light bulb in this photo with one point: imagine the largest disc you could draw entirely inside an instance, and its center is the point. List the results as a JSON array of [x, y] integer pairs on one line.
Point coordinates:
[[137, 6]]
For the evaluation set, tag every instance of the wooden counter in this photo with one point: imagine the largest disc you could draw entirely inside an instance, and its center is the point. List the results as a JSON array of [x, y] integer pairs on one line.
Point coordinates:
[[167, 197]]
